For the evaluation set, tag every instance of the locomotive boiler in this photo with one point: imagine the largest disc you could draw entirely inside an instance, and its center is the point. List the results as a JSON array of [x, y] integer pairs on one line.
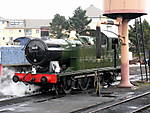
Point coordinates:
[[67, 63]]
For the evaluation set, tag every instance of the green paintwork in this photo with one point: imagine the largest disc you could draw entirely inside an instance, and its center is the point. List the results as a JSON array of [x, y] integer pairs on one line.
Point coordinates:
[[84, 56]]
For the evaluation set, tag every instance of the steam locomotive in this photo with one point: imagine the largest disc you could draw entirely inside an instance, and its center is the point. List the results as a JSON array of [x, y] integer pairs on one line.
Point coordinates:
[[67, 63]]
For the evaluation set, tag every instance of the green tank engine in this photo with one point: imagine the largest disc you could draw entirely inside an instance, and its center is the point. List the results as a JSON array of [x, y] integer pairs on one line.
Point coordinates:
[[59, 61]]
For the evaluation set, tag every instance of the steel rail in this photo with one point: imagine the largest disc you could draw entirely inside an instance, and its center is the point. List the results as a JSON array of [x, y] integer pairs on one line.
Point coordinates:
[[34, 98], [108, 106], [121, 102], [141, 109], [15, 100]]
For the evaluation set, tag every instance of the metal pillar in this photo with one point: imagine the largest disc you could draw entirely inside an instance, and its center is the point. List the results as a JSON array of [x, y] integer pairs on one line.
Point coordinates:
[[1, 69], [123, 33]]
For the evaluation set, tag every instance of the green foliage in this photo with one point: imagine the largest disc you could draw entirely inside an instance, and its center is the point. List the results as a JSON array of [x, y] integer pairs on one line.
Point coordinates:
[[79, 21], [58, 24], [146, 33], [146, 28]]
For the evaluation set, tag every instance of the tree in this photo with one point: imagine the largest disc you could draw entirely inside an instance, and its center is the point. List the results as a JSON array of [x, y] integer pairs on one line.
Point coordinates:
[[79, 21], [58, 24], [146, 32], [135, 36], [146, 28]]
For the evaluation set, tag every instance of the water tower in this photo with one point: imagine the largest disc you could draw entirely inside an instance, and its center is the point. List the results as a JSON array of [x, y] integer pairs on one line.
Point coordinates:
[[123, 11]]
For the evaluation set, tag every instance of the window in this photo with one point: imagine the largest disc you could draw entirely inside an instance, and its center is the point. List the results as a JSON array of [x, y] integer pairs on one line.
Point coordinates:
[[19, 30], [109, 28], [3, 22], [10, 38], [3, 38], [104, 39], [37, 31], [28, 32], [16, 22]]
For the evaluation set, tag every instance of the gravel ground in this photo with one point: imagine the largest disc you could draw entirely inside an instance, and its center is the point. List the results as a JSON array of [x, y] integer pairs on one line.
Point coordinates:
[[135, 69]]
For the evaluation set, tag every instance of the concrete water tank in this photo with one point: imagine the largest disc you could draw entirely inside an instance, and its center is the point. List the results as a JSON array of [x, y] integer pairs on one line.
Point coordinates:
[[128, 9]]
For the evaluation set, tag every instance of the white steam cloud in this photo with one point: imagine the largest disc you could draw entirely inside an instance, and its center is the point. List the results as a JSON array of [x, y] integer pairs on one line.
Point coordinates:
[[8, 87]]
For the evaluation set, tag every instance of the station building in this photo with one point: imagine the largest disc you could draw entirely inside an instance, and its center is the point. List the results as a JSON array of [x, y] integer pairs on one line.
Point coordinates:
[[10, 29]]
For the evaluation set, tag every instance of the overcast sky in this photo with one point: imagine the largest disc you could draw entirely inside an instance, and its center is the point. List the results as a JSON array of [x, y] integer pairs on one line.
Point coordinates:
[[42, 8], [45, 9]]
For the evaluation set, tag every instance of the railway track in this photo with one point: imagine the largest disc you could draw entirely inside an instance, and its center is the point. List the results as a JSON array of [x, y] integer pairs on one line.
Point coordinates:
[[134, 104], [34, 98], [142, 109]]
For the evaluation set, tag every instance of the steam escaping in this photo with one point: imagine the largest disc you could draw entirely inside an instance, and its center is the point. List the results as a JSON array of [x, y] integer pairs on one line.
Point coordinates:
[[8, 87]]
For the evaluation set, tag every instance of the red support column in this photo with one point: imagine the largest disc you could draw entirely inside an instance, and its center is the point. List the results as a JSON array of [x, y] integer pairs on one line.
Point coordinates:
[[1, 69], [125, 81]]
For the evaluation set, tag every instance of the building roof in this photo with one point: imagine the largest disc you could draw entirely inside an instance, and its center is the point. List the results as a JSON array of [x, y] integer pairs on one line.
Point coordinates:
[[93, 12], [28, 23], [37, 23], [1, 18]]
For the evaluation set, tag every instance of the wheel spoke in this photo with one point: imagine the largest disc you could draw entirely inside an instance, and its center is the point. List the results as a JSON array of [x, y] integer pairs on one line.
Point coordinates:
[[67, 84], [83, 83]]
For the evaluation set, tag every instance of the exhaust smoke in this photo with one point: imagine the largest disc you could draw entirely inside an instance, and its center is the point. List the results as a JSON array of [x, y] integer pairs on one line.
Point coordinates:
[[8, 87]]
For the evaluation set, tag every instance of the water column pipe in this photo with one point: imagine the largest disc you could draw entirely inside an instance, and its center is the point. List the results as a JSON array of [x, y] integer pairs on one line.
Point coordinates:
[[123, 35], [123, 11]]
